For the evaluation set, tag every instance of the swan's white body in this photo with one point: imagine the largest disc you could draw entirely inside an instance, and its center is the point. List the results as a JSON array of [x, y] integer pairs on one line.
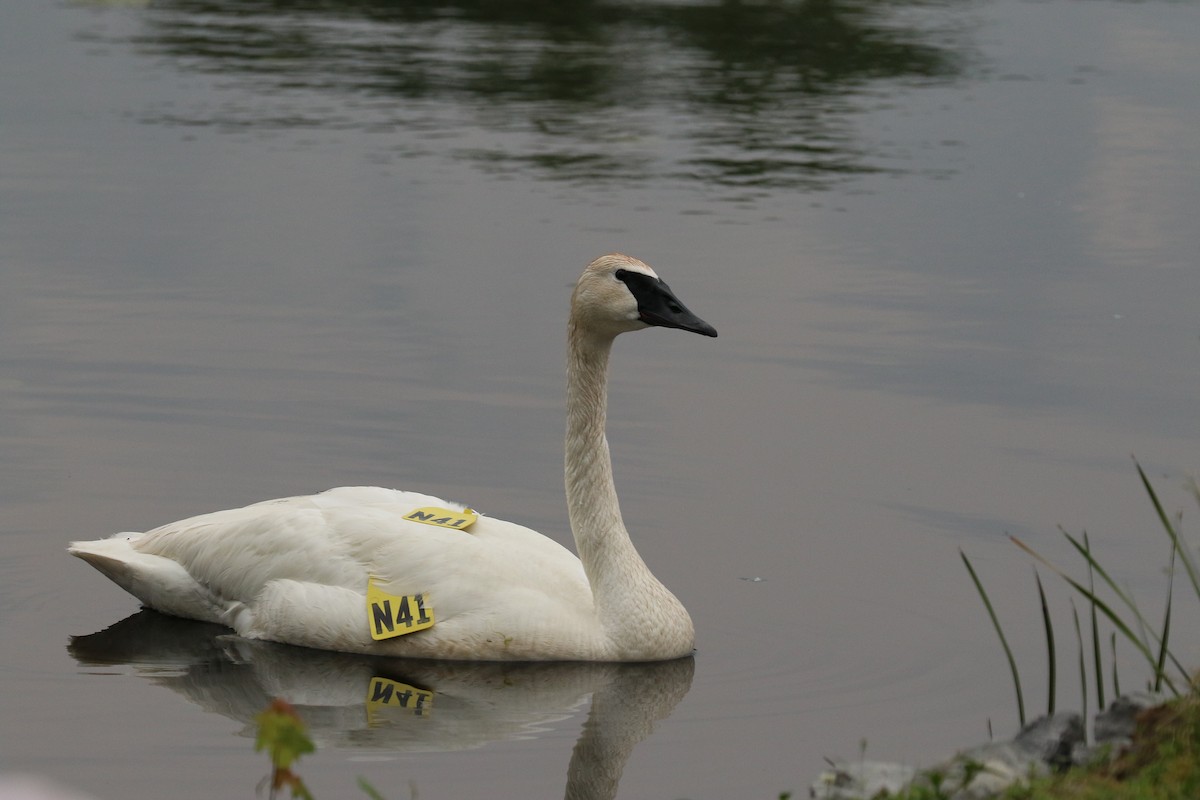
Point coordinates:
[[296, 570]]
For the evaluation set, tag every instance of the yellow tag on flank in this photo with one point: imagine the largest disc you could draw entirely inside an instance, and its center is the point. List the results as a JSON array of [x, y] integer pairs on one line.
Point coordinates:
[[443, 517], [383, 693], [392, 615]]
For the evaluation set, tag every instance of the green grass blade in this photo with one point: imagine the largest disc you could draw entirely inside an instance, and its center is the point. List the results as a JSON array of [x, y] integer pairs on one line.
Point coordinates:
[[1051, 664], [1185, 555], [1096, 659], [1127, 599], [1100, 604], [369, 790], [1098, 569], [1166, 633], [1012, 662]]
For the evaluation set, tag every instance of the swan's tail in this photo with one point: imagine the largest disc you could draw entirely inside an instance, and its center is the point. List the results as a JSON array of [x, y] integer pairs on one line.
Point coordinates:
[[158, 582], [114, 557]]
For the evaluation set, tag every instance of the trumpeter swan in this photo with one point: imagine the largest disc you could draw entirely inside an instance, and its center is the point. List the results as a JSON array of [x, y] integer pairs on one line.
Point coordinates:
[[388, 572]]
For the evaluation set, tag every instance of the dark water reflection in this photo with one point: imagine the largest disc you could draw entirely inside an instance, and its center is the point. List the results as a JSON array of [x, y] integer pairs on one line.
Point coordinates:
[[731, 93], [357, 702]]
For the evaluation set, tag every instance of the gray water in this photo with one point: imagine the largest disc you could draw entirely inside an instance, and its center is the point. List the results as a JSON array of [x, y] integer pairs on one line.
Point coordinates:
[[254, 249]]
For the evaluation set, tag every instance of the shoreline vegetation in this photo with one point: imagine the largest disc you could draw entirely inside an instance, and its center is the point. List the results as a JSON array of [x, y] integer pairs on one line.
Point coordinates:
[[1145, 746], [1162, 762]]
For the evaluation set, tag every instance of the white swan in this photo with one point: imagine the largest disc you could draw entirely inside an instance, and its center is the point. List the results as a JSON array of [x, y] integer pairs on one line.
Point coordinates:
[[370, 570]]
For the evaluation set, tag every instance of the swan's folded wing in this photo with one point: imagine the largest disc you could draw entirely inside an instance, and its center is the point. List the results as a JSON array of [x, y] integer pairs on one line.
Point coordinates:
[[160, 583]]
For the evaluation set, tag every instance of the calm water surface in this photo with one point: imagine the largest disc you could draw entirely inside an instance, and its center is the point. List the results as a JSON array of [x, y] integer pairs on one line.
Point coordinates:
[[252, 249]]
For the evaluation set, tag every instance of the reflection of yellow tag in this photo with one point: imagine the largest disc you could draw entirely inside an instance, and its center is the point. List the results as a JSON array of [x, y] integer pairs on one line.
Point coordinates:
[[384, 693], [443, 517], [395, 615]]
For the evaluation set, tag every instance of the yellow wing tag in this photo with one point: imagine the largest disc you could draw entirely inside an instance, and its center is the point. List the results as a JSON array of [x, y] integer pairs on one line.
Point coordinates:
[[383, 693], [392, 615], [443, 517]]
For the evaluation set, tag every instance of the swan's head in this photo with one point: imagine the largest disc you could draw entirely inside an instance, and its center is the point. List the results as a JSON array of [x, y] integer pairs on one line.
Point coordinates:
[[617, 293]]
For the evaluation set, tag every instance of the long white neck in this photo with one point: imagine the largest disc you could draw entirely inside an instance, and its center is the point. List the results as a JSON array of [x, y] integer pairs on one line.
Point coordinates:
[[640, 616]]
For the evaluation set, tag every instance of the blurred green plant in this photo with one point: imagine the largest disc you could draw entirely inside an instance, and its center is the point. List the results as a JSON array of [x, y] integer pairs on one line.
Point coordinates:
[[284, 736]]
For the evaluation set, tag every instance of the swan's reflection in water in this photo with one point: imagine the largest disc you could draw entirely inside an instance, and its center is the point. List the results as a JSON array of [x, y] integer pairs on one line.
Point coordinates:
[[351, 701]]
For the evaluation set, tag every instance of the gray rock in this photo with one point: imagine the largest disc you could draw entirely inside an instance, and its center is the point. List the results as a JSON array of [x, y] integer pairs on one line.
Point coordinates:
[[1117, 722], [1112, 729], [1044, 745], [1052, 739]]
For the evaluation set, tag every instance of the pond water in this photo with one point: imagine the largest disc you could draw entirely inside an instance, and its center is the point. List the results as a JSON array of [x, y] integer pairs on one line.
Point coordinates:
[[254, 249]]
